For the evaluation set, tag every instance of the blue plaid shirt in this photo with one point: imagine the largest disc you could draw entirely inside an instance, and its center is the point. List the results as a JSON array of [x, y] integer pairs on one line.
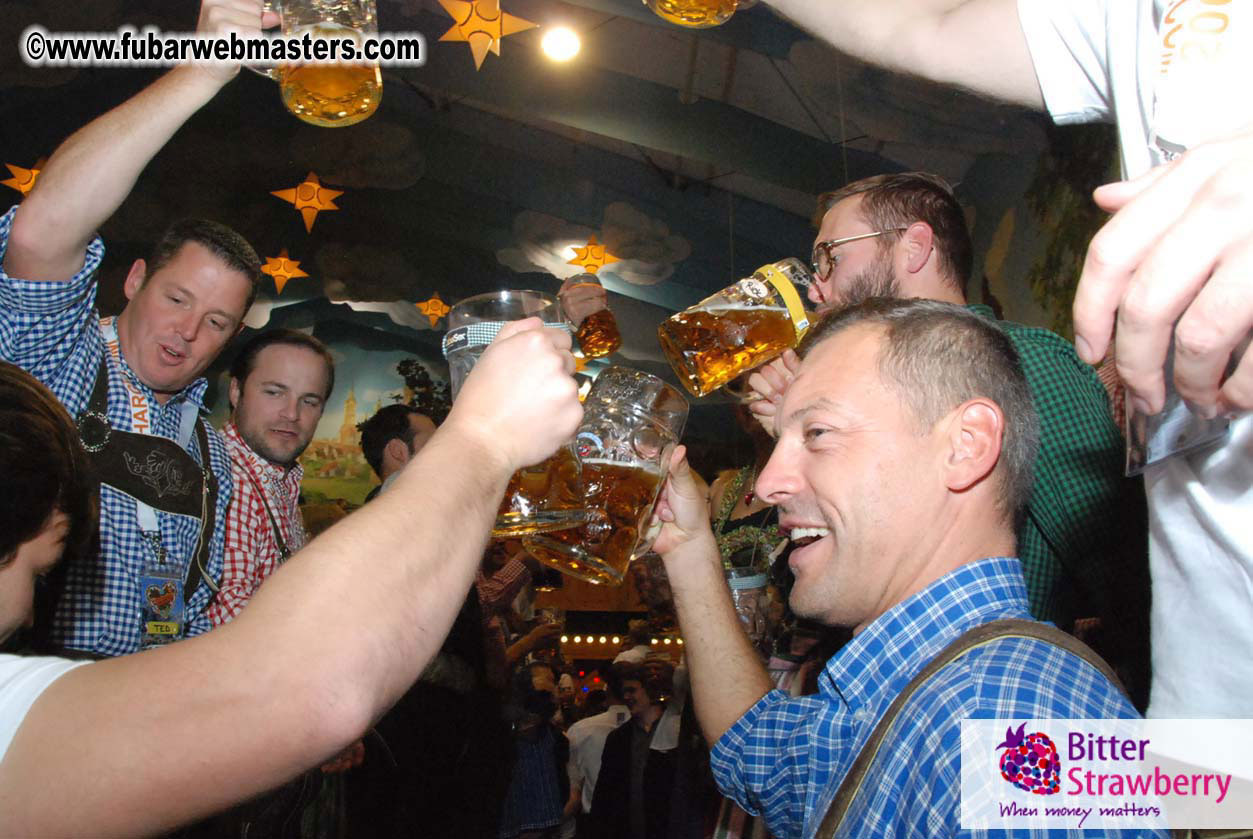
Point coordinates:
[[785, 758], [53, 331]]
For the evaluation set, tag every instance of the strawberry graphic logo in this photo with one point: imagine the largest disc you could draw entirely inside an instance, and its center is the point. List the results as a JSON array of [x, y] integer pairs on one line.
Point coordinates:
[[1030, 761]]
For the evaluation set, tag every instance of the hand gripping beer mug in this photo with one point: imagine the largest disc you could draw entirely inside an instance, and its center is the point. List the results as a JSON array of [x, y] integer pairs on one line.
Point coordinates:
[[548, 495], [329, 95], [631, 424], [695, 14], [739, 328], [586, 305]]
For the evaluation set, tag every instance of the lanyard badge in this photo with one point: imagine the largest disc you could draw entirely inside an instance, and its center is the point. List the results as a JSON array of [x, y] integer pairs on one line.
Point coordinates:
[[161, 597]]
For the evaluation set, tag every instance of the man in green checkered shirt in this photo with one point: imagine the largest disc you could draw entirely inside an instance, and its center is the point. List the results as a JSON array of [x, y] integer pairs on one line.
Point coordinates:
[[1084, 540]]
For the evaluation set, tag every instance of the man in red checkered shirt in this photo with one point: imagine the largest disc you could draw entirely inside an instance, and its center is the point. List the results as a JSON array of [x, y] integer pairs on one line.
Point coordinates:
[[280, 382]]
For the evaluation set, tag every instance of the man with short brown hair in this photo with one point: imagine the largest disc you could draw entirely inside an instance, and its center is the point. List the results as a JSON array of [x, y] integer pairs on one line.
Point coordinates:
[[280, 382], [135, 382]]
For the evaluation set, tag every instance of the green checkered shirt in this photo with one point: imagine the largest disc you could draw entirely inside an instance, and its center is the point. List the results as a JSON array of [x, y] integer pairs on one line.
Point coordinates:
[[1084, 547]]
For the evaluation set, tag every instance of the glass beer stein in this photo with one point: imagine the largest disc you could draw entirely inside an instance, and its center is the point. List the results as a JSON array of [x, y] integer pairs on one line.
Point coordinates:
[[549, 494], [695, 14], [631, 424], [739, 328], [586, 305], [329, 95]]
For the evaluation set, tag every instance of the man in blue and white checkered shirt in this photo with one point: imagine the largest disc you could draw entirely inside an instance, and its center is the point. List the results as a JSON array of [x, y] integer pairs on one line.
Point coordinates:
[[183, 306], [904, 455]]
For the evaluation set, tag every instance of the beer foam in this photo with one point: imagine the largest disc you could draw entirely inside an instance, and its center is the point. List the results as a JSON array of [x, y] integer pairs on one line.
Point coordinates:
[[653, 470], [740, 307]]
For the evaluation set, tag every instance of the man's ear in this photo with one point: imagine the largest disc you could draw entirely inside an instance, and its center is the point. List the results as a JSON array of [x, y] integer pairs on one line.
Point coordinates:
[[918, 240], [135, 278], [396, 450], [233, 393], [973, 436]]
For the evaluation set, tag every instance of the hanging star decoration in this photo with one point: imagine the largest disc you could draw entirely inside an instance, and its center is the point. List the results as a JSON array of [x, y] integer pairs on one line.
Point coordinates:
[[592, 257], [282, 268], [482, 24], [434, 308], [309, 198], [23, 179]]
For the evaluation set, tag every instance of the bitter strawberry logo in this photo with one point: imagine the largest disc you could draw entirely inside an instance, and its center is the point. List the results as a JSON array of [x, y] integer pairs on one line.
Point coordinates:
[[1030, 761]]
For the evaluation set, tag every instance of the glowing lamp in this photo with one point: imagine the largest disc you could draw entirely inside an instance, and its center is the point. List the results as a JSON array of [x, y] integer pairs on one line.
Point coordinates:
[[561, 43]]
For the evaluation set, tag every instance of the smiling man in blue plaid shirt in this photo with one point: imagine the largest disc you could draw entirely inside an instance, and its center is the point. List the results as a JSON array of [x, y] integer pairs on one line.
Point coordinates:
[[903, 461], [140, 373]]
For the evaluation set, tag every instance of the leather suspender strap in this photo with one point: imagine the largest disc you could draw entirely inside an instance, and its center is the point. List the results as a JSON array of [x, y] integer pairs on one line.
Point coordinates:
[[979, 636], [208, 519]]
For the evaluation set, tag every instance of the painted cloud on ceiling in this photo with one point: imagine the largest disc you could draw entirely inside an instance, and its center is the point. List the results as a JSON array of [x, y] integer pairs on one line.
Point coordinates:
[[646, 249]]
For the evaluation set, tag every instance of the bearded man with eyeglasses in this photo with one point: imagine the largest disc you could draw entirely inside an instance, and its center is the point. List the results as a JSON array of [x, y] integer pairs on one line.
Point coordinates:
[[1083, 540]]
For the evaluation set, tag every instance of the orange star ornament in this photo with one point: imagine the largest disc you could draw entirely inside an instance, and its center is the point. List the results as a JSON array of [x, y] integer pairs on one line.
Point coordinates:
[[482, 24], [282, 268], [310, 198], [23, 179], [434, 309], [592, 257]]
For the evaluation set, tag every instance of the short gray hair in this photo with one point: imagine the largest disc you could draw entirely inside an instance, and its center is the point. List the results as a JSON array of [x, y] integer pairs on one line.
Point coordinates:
[[937, 356]]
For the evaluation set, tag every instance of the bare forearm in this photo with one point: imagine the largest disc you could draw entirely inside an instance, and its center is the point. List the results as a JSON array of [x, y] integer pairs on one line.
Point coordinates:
[[726, 674], [380, 590], [975, 44], [326, 645], [93, 171]]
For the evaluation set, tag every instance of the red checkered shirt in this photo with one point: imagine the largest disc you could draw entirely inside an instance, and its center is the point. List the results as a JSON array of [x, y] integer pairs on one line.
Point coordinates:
[[251, 551]]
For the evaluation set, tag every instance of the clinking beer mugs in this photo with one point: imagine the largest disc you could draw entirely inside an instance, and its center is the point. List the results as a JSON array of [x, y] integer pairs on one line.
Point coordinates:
[[631, 424], [547, 495], [739, 328], [329, 95]]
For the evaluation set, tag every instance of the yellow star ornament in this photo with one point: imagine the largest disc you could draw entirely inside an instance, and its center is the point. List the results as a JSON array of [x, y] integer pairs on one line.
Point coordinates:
[[23, 179], [592, 257], [309, 198], [434, 308], [482, 24], [282, 269]]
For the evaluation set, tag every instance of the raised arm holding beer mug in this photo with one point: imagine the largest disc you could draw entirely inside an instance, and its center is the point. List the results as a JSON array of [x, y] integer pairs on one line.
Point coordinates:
[[377, 593]]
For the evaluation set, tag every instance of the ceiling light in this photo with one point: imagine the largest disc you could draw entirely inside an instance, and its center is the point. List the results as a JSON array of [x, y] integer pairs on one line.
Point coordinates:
[[560, 43]]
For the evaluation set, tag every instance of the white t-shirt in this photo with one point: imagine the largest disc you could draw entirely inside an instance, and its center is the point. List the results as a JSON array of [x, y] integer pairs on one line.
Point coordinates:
[[587, 744], [1171, 75], [22, 680]]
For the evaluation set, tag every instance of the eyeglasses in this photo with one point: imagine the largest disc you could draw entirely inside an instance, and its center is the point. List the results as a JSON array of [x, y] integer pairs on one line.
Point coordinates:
[[824, 258]]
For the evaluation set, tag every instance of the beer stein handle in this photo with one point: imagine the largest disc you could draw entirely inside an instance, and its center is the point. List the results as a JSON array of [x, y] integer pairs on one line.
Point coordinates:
[[271, 73]]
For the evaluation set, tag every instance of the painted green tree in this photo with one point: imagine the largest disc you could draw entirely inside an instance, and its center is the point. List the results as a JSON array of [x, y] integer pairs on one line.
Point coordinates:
[[1080, 158], [430, 396]]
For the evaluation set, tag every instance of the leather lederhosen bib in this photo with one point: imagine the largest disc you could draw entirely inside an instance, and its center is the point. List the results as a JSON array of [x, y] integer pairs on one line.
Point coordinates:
[[154, 471]]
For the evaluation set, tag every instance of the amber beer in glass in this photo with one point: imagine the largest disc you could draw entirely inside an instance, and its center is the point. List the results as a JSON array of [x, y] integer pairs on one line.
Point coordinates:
[[586, 305], [695, 14], [631, 424], [329, 95], [545, 496], [739, 328]]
